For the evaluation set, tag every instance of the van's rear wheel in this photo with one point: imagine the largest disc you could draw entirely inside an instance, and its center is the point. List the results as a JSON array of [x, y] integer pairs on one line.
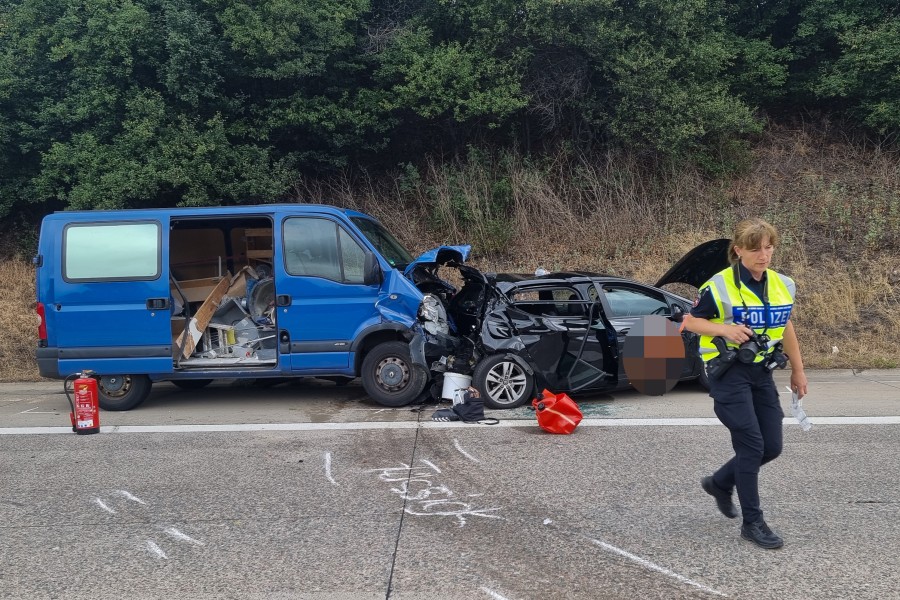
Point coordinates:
[[389, 376], [123, 392]]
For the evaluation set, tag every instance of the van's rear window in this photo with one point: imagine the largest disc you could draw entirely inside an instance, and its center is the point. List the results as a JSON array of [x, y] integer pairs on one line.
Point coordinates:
[[111, 251]]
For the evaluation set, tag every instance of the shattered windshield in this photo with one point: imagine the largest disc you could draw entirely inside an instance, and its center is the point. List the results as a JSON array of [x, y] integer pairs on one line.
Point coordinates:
[[392, 250]]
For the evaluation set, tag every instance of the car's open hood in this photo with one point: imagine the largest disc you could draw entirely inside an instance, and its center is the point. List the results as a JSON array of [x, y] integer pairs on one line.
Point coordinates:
[[697, 266], [440, 256]]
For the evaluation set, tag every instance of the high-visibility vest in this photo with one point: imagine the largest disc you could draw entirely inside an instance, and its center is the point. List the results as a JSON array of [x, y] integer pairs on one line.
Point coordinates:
[[781, 291]]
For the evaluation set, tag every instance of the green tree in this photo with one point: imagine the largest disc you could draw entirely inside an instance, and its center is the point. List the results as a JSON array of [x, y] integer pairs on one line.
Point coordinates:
[[647, 74]]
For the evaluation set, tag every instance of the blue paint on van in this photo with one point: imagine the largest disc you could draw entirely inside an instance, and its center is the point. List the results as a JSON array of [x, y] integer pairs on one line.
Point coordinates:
[[118, 288]]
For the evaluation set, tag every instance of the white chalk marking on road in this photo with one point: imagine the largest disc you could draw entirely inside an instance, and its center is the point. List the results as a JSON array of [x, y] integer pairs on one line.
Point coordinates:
[[31, 411], [103, 505], [463, 452], [492, 594], [171, 531], [244, 427], [132, 497], [655, 567], [431, 464], [328, 468], [156, 549]]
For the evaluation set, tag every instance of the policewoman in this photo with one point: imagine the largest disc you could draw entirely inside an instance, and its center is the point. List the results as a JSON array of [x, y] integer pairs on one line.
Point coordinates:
[[743, 318]]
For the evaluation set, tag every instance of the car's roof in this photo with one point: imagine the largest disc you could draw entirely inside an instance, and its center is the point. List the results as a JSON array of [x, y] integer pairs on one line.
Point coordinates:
[[561, 277], [509, 281]]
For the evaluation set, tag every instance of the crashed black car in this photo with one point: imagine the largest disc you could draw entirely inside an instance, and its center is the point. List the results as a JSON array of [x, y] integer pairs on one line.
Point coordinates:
[[518, 334]]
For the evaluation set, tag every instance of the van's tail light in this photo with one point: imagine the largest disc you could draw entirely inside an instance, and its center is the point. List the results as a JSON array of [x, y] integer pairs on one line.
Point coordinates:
[[42, 324]]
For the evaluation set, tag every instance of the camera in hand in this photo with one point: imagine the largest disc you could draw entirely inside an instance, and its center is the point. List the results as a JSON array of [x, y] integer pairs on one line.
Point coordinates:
[[758, 343], [745, 353]]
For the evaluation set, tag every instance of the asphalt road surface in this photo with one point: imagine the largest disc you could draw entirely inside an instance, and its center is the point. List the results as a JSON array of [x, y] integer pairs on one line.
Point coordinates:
[[307, 490]]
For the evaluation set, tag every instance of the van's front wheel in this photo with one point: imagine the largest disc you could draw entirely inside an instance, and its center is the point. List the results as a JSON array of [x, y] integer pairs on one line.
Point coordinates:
[[389, 376], [123, 392]]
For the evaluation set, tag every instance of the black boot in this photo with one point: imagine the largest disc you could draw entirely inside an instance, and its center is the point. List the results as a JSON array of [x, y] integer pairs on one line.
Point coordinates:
[[723, 498], [760, 534]]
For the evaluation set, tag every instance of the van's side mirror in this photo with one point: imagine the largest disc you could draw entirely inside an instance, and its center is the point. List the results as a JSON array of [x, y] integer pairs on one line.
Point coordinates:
[[371, 270], [677, 313]]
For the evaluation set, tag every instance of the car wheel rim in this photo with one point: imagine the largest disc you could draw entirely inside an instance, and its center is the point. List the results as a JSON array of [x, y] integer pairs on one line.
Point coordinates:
[[115, 386], [505, 383], [392, 374]]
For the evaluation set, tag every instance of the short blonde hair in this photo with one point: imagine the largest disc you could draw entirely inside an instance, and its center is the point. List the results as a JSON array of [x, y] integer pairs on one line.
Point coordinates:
[[750, 234]]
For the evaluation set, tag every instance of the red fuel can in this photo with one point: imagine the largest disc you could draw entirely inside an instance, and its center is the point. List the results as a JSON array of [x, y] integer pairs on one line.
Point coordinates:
[[556, 413]]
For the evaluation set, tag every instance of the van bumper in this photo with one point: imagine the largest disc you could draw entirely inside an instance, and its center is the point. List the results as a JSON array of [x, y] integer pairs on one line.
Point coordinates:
[[48, 362]]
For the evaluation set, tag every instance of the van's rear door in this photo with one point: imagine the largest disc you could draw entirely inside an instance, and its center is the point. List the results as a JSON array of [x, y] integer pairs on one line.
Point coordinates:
[[111, 301]]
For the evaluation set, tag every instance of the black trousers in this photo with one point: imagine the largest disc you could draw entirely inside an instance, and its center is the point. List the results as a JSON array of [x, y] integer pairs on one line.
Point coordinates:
[[746, 402]]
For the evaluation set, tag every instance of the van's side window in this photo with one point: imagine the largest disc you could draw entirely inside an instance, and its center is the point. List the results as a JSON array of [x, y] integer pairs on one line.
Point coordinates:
[[111, 251], [321, 248]]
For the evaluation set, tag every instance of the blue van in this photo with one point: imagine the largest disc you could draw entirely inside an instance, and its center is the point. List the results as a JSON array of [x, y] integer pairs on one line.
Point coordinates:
[[189, 295]]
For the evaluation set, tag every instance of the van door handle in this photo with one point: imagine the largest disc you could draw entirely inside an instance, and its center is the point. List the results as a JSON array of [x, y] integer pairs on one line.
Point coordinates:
[[157, 303], [283, 300]]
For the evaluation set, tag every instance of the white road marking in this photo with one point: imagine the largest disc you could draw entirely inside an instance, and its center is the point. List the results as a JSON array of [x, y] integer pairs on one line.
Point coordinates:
[[463, 452], [492, 594], [103, 505], [242, 427], [171, 531], [131, 497], [31, 411], [655, 567], [156, 549], [328, 468], [431, 464]]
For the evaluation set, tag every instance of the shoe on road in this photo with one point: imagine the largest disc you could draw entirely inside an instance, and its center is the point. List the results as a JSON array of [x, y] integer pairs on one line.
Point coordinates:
[[760, 534], [723, 498]]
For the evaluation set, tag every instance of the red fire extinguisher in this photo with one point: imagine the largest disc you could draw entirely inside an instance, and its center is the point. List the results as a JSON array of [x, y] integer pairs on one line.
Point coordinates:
[[85, 415]]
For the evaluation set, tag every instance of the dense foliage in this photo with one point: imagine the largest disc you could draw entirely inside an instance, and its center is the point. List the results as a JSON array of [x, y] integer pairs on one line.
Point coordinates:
[[127, 103]]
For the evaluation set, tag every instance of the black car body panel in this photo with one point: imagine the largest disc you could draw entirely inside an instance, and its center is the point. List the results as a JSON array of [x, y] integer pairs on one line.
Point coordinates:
[[560, 331], [699, 265]]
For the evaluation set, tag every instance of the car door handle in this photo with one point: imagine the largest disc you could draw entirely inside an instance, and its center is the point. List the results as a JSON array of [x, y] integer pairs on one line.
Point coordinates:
[[283, 300], [157, 303]]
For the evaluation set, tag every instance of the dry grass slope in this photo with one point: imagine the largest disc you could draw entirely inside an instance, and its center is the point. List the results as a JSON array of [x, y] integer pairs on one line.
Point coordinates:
[[836, 202], [18, 321]]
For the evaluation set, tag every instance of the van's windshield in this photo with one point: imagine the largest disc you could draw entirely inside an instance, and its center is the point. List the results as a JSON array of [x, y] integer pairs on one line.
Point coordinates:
[[392, 250]]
